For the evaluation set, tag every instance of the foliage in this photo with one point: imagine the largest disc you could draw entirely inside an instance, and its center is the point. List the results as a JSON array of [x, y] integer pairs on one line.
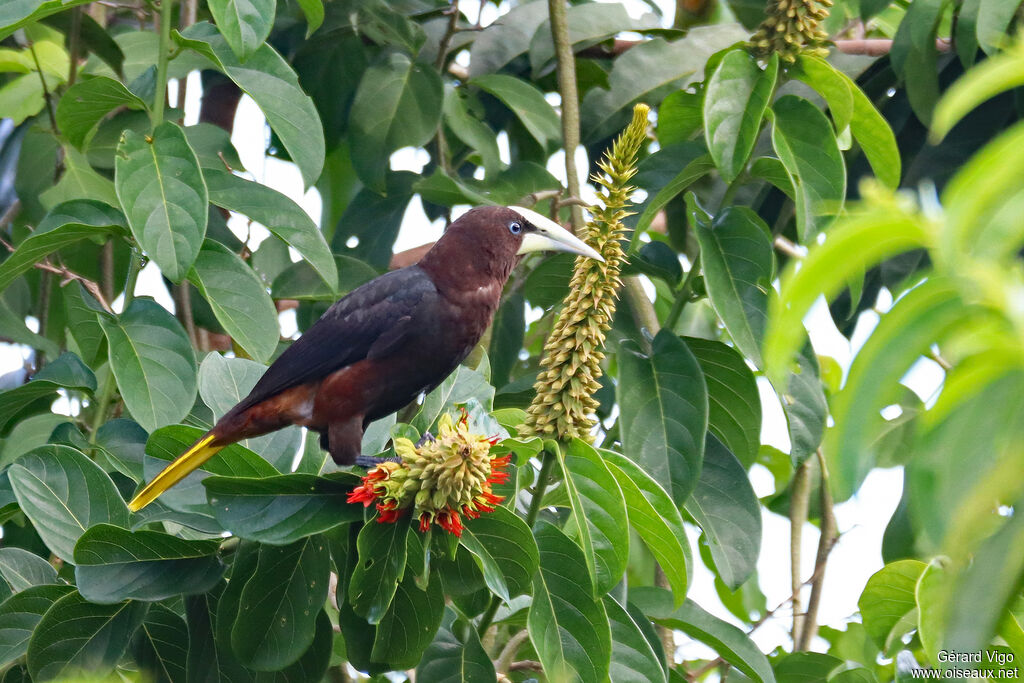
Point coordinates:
[[756, 198]]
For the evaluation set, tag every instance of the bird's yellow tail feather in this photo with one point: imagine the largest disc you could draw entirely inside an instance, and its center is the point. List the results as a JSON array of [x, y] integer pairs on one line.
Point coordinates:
[[180, 468]]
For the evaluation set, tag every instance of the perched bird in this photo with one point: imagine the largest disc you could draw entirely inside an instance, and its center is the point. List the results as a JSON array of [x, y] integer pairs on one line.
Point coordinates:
[[384, 343]]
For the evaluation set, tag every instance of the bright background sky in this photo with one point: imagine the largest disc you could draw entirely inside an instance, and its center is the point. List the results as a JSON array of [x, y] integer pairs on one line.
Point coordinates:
[[861, 520]]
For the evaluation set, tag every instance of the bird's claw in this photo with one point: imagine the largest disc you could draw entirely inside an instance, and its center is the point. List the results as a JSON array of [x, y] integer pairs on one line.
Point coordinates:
[[371, 461], [427, 436]]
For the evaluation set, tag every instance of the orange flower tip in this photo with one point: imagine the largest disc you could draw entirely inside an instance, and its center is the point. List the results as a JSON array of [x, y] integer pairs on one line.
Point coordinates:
[[450, 522], [424, 522], [363, 494]]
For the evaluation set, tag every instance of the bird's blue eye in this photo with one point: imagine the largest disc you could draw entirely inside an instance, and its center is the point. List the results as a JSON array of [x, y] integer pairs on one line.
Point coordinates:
[[515, 227]]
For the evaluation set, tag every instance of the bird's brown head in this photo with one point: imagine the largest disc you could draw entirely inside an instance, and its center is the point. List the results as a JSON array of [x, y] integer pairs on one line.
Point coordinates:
[[487, 242]]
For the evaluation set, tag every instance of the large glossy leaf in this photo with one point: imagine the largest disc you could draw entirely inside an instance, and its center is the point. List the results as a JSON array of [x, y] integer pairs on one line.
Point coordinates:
[[694, 170], [806, 667], [64, 225], [114, 564], [458, 388], [19, 615], [279, 605], [475, 133], [734, 404], [268, 79], [850, 248], [20, 569], [398, 104], [589, 23], [924, 316], [873, 134], [281, 509], [805, 142], [735, 100], [504, 40], [914, 56], [649, 72], [633, 658], [527, 102], [64, 493], [278, 213], [153, 363], [664, 412], [731, 644], [238, 299], [76, 636], [455, 658], [66, 371], [996, 74], [804, 405], [161, 645], [245, 24], [381, 565], [211, 618], [87, 102], [223, 382], [189, 495], [830, 84], [737, 258], [888, 607], [164, 197], [569, 629], [598, 510], [18, 13], [504, 549], [410, 623], [655, 517], [726, 508]]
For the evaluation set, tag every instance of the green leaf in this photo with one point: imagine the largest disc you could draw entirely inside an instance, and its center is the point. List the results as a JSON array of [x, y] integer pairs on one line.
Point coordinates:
[[655, 517], [440, 188], [63, 493], [873, 134], [18, 13], [472, 131], [397, 104], [888, 607], [598, 510], [994, 19], [914, 55], [223, 382], [738, 263], [161, 189], [830, 83], [21, 569], [381, 565], [569, 629], [649, 72], [245, 24], [87, 102], [804, 405], [279, 605], [502, 41], [300, 281], [692, 172], [76, 636], [113, 564], [735, 101], [664, 412], [731, 644], [19, 615], [161, 645], [503, 547], [589, 24], [64, 225], [167, 443], [925, 315], [680, 116], [238, 299], [153, 363], [281, 509], [66, 372], [279, 214], [734, 403], [806, 667], [526, 102], [997, 74], [806, 144], [633, 658], [725, 506], [851, 247], [314, 12], [455, 658], [409, 625], [458, 388], [268, 80]]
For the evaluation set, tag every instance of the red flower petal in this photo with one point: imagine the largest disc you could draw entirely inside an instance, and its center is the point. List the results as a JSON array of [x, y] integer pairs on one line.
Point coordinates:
[[424, 522]]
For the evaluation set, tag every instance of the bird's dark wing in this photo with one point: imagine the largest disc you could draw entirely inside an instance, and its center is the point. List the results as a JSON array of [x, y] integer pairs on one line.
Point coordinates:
[[371, 321]]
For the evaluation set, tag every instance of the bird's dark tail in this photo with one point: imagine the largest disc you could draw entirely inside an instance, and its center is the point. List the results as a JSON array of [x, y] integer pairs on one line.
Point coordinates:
[[180, 468]]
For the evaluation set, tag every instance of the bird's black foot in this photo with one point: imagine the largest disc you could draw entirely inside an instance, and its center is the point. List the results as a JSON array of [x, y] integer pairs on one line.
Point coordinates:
[[427, 436], [371, 461]]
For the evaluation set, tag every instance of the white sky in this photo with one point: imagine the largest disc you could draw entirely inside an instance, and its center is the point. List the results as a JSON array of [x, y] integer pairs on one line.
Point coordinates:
[[861, 520]]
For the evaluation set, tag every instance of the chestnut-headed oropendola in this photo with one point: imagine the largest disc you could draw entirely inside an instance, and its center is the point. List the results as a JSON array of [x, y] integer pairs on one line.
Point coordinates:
[[384, 343]]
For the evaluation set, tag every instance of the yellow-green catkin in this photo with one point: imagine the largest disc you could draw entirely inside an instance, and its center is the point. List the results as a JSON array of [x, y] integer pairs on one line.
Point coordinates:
[[792, 27], [571, 366]]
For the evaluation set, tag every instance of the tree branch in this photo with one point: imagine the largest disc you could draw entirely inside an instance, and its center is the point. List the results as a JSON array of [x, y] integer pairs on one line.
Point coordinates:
[[798, 504], [570, 103], [826, 542], [504, 660]]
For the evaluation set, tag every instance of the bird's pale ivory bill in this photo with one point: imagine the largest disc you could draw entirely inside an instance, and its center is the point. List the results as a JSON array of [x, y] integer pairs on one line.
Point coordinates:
[[550, 236]]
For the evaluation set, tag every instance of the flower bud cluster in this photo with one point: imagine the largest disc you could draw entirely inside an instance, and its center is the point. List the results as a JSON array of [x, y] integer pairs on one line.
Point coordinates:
[[792, 27]]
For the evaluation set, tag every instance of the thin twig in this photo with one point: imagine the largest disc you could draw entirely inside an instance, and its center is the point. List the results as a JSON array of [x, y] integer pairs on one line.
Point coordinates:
[[10, 214], [525, 665], [826, 542], [876, 47], [504, 660], [798, 504], [68, 276], [46, 90], [784, 246]]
